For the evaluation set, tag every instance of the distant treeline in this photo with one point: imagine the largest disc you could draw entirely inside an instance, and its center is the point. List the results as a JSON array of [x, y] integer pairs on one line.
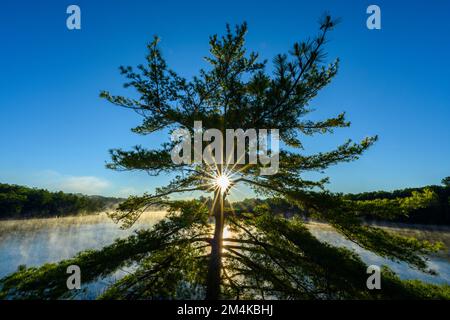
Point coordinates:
[[437, 213], [23, 202], [277, 206]]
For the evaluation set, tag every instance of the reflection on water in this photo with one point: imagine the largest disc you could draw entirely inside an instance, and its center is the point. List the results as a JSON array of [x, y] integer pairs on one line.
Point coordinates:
[[34, 242], [438, 264]]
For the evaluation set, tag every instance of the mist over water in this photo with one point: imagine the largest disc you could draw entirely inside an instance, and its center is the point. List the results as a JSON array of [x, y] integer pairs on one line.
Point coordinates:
[[33, 242], [439, 264]]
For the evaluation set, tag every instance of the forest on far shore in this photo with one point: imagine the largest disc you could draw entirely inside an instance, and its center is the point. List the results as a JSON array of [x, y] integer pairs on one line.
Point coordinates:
[[24, 202], [436, 213]]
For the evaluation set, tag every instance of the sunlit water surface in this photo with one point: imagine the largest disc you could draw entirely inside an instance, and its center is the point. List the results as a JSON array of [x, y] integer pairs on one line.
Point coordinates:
[[36, 241]]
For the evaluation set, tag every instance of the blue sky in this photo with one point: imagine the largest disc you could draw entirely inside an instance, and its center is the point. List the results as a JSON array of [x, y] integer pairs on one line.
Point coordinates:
[[56, 132]]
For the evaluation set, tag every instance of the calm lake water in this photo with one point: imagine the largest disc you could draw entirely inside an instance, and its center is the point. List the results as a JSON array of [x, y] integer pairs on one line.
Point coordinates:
[[36, 241]]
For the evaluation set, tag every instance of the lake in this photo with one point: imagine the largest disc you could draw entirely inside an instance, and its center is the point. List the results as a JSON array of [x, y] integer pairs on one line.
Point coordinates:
[[33, 242]]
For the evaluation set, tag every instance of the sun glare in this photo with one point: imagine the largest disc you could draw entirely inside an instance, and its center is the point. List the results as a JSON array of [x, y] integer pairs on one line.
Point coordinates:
[[223, 182]]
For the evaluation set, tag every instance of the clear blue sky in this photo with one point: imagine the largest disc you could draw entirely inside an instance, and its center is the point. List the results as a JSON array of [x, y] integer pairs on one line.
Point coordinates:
[[55, 131]]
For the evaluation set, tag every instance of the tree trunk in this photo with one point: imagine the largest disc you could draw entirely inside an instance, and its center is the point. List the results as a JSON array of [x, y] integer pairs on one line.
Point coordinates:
[[215, 263]]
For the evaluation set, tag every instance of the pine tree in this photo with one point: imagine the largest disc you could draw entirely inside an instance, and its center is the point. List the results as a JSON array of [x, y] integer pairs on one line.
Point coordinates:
[[242, 254]]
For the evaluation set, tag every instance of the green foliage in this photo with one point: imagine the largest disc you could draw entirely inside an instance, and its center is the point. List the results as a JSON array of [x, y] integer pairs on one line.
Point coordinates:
[[19, 202], [427, 205], [266, 257], [300, 266], [437, 211], [391, 208], [186, 223], [446, 182]]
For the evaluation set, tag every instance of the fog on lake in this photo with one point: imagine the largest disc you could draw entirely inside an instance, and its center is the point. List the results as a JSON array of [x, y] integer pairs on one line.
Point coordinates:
[[34, 242]]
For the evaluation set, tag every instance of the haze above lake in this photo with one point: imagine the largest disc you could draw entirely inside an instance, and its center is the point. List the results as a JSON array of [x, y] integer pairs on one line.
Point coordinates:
[[34, 242]]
